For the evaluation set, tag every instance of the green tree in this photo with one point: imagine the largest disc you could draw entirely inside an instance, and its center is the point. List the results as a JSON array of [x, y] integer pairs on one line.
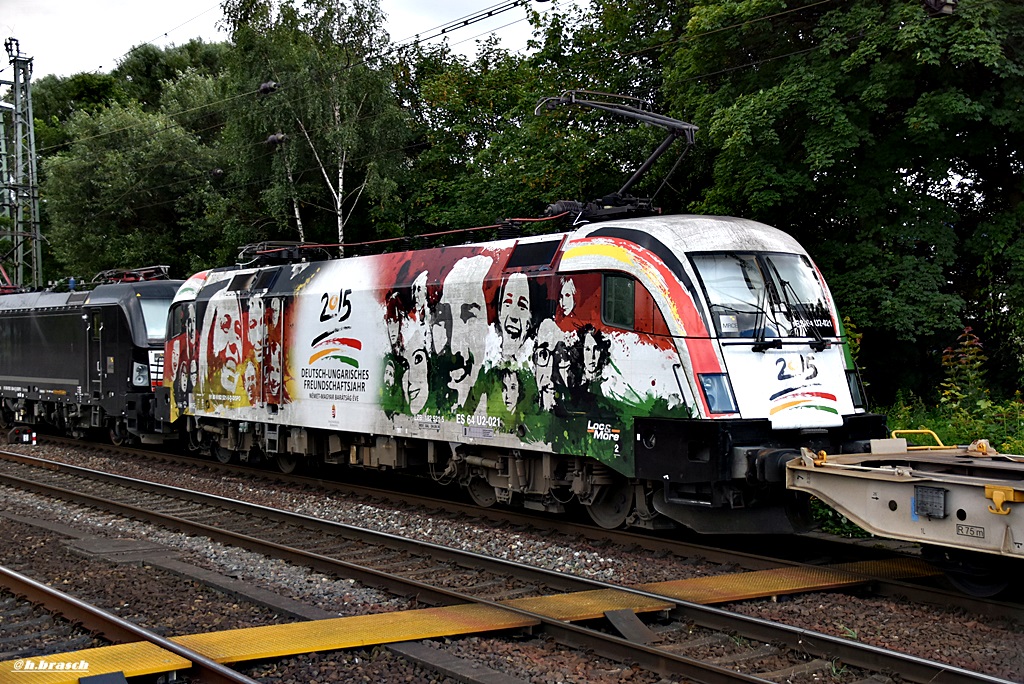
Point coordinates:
[[145, 71], [333, 129], [482, 152], [117, 197], [882, 137]]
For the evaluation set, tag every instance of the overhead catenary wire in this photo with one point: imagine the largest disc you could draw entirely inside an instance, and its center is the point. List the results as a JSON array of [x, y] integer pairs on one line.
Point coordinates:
[[712, 31], [452, 25], [315, 169]]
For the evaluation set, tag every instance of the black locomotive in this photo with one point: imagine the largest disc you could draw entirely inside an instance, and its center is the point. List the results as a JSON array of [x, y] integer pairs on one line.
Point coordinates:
[[86, 360]]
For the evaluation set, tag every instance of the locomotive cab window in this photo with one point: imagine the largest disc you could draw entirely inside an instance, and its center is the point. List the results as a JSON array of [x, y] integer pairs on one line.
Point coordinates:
[[764, 295], [617, 304], [154, 314]]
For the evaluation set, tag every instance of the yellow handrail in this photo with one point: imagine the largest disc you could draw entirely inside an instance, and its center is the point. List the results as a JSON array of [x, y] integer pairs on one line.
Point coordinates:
[[938, 442]]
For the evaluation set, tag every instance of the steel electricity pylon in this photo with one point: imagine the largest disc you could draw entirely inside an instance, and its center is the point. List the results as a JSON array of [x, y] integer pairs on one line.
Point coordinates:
[[20, 238]]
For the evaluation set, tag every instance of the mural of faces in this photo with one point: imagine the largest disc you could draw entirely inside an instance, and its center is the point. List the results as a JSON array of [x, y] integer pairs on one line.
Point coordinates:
[[225, 352], [255, 325]]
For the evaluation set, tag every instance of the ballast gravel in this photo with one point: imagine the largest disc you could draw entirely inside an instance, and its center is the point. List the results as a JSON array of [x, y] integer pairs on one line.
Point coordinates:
[[990, 646]]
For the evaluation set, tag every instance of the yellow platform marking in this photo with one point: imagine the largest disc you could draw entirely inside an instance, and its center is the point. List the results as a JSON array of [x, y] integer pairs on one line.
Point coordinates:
[[135, 660], [587, 605], [790, 580], [274, 641]]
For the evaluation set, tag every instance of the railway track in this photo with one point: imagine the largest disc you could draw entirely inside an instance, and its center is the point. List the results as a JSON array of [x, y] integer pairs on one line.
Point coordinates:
[[444, 576], [46, 621], [729, 551], [28, 630]]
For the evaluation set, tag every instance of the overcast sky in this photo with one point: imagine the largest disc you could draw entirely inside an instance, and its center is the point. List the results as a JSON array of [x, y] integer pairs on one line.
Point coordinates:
[[65, 37]]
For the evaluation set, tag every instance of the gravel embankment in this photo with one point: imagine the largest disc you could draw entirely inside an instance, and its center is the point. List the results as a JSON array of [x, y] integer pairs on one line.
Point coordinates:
[[992, 646]]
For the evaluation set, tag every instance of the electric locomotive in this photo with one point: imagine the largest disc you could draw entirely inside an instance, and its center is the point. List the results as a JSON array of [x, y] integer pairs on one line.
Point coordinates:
[[89, 359], [654, 369]]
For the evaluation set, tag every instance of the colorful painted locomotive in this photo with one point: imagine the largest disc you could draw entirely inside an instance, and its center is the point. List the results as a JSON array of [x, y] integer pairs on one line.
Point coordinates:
[[650, 368]]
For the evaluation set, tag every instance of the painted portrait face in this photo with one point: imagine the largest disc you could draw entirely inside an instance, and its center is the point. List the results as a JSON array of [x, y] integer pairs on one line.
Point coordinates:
[[226, 347], [274, 371], [254, 325], [510, 390], [389, 374], [544, 362], [274, 313], [419, 297], [461, 318], [591, 356], [190, 324], [567, 297], [514, 314], [251, 381], [182, 385], [176, 364], [394, 326], [393, 314], [417, 383]]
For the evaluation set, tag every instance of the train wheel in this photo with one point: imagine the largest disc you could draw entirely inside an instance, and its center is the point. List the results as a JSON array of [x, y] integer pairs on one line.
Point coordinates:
[[119, 435], [612, 504], [481, 492], [6, 419], [974, 574], [287, 463], [979, 584], [223, 455]]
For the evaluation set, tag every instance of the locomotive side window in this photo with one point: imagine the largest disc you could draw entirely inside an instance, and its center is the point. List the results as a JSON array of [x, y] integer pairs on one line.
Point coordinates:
[[176, 320], [617, 304]]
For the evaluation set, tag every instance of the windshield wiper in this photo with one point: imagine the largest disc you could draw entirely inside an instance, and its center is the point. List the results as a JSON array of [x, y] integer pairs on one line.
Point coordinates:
[[820, 343]]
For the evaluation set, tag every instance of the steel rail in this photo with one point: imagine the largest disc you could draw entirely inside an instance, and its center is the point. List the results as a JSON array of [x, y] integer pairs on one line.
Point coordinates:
[[115, 628]]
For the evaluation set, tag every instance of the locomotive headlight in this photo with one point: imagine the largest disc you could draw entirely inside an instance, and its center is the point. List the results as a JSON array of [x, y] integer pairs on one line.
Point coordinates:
[[140, 374], [717, 392]]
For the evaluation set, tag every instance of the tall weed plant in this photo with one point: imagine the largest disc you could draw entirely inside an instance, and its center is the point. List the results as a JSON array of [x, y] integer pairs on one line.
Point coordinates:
[[964, 411]]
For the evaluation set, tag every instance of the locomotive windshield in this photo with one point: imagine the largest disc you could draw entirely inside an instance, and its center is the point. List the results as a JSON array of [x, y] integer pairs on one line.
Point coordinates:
[[764, 295], [154, 313]]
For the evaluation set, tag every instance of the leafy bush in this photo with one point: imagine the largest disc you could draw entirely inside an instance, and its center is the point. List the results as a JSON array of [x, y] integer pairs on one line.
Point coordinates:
[[965, 410]]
